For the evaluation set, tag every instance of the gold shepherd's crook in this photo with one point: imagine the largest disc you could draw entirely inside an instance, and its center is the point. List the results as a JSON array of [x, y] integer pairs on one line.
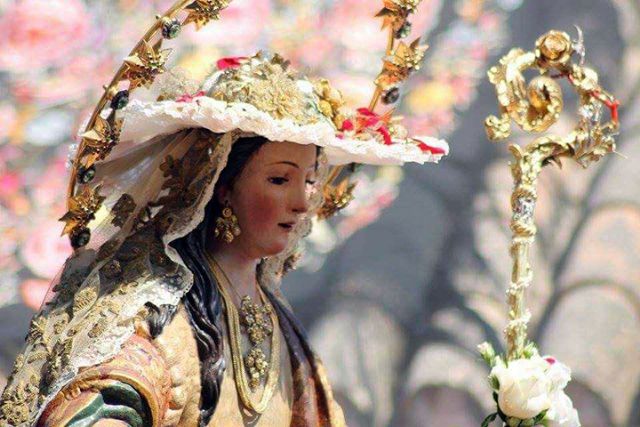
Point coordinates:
[[534, 108]]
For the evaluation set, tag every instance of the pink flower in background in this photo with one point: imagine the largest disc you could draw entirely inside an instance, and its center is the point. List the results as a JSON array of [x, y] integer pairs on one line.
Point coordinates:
[[7, 118], [33, 292], [40, 33], [356, 89], [349, 15], [44, 250], [76, 79], [239, 27], [11, 195], [49, 186], [352, 25], [367, 213], [314, 51]]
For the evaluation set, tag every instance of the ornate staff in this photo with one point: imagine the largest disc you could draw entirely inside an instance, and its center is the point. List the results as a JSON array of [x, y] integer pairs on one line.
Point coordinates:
[[535, 108]]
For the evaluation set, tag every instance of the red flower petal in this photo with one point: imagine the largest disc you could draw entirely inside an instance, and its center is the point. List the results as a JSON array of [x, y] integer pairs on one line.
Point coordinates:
[[429, 148], [366, 112], [385, 134], [347, 125], [230, 62], [188, 98], [550, 360]]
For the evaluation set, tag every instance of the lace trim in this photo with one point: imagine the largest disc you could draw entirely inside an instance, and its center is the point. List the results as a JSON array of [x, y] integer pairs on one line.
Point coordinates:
[[144, 120]]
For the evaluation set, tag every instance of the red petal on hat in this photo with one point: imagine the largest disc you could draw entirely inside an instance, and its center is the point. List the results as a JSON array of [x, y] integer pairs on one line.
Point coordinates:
[[347, 125], [188, 98], [431, 149], [385, 134], [230, 62]]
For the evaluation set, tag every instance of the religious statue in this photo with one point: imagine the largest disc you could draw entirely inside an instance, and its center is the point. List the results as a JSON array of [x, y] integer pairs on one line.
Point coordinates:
[[186, 205]]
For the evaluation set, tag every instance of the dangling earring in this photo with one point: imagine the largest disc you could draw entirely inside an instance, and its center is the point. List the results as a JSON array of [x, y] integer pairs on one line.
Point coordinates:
[[227, 227]]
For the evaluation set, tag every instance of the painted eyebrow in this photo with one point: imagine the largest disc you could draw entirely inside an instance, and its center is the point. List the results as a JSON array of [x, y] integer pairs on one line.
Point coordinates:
[[286, 162]]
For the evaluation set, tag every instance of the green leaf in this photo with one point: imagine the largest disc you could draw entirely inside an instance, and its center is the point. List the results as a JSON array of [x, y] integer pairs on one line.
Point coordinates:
[[541, 416], [494, 382], [490, 418]]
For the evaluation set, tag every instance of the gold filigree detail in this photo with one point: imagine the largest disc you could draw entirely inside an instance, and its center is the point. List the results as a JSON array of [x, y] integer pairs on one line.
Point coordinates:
[[331, 101], [100, 140], [82, 209], [61, 323], [554, 49], [336, 198], [396, 12], [144, 65], [201, 12], [112, 269], [107, 250], [268, 85], [255, 319], [59, 358], [16, 401], [37, 355], [534, 107], [404, 60], [83, 299], [36, 329]]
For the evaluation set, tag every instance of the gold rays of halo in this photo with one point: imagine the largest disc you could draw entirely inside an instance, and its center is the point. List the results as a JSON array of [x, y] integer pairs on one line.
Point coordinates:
[[399, 62], [146, 61], [534, 107]]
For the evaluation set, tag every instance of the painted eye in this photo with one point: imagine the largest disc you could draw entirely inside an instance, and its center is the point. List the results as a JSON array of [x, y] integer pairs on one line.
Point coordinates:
[[310, 182], [278, 180]]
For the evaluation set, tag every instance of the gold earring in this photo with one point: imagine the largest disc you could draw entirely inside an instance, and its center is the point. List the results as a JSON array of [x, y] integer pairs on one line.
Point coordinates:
[[227, 227]]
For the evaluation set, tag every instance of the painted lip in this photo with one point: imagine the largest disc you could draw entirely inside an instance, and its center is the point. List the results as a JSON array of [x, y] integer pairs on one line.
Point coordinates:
[[287, 226]]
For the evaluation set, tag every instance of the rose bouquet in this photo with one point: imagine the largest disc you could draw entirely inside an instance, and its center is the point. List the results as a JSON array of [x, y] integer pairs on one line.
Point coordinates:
[[529, 391]]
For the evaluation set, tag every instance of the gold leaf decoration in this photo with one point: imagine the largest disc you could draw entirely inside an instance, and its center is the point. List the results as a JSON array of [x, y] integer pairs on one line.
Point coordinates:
[[82, 209], [270, 86], [145, 65], [201, 12], [396, 12], [336, 198], [331, 101], [36, 329], [83, 299], [122, 210], [404, 60], [101, 325], [15, 401], [100, 140]]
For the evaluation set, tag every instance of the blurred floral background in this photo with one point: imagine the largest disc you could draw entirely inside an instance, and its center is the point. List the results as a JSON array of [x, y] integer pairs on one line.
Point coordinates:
[[397, 290]]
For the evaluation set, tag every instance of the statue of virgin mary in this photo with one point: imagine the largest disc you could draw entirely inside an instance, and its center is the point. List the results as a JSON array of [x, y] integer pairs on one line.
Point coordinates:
[[185, 211]]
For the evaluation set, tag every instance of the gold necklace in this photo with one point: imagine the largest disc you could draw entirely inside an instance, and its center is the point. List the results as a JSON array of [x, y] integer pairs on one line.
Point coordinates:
[[256, 360]]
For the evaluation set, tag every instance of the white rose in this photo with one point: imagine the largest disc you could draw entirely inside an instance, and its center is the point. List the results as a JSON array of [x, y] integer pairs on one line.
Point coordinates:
[[524, 387], [559, 374], [562, 413]]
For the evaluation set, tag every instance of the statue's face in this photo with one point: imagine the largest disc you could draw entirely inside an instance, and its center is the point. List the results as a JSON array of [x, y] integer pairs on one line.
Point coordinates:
[[271, 196]]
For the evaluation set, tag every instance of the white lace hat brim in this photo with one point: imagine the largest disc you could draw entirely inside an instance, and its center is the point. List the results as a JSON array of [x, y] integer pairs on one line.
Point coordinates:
[[145, 120]]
